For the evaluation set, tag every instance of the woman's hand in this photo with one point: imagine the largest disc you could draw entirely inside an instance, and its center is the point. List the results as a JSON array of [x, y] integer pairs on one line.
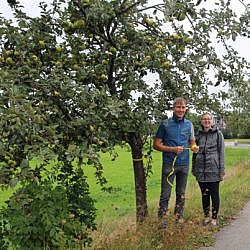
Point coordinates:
[[195, 148], [222, 174]]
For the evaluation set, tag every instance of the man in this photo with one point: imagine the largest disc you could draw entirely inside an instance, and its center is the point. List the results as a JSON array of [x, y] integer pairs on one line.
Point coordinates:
[[174, 137]]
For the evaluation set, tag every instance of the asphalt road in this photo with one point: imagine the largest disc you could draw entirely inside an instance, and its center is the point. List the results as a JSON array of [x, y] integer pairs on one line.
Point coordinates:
[[237, 145], [235, 236]]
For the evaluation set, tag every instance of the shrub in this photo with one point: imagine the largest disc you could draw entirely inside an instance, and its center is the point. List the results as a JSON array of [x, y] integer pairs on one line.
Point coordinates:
[[40, 216]]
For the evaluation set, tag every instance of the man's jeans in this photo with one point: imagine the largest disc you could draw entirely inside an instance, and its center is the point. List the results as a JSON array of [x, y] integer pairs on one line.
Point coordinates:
[[181, 174]]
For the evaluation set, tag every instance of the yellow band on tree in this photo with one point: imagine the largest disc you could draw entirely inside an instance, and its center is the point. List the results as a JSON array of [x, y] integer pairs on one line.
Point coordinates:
[[140, 159]]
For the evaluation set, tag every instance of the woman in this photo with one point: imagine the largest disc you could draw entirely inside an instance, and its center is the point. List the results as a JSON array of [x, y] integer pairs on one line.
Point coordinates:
[[208, 166]]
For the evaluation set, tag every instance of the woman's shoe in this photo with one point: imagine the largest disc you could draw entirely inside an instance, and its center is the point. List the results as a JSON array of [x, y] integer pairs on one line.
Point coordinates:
[[214, 222], [180, 220], [206, 221]]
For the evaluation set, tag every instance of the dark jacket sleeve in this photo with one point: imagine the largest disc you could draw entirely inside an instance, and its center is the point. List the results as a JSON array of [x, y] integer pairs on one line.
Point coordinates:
[[193, 162], [221, 152]]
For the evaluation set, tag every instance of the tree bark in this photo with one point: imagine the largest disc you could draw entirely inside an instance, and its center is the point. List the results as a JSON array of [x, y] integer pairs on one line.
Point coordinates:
[[136, 145]]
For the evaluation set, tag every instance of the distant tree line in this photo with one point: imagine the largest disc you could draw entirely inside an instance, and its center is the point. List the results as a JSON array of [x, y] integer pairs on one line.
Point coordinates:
[[233, 124]]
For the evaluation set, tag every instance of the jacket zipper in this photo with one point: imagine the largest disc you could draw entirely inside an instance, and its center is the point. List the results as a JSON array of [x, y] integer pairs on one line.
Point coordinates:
[[179, 140], [204, 157]]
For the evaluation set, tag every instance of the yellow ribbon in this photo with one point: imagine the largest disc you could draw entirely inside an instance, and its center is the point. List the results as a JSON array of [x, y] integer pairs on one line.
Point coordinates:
[[172, 171], [138, 159]]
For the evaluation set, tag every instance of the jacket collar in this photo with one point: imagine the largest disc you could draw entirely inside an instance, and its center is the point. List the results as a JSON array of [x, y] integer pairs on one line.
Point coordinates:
[[212, 129], [175, 118]]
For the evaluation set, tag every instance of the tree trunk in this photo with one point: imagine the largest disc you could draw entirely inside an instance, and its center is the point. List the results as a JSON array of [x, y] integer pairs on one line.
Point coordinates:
[[136, 145]]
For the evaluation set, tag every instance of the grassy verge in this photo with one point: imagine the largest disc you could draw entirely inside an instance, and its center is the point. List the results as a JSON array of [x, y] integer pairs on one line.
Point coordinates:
[[116, 211]]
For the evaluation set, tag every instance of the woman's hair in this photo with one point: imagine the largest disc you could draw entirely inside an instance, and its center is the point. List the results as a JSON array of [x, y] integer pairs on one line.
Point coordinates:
[[206, 113]]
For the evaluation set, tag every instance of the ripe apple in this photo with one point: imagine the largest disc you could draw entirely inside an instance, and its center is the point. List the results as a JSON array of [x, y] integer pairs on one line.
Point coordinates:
[[79, 24], [58, 49], [104, 77], [166, 64], [194, 147], [9, 61], [41, 44], [181, 16], [149, 21]]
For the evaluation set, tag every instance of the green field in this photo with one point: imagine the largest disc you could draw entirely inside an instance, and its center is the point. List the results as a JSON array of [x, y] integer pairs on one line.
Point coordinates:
[[120, 175]]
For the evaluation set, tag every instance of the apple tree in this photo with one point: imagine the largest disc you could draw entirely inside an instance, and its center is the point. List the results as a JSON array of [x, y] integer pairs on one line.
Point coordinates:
[[87, 75], [119, 45]]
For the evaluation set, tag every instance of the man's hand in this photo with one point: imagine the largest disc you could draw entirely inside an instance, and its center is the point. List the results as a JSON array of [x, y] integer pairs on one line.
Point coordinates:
[[178, 149]]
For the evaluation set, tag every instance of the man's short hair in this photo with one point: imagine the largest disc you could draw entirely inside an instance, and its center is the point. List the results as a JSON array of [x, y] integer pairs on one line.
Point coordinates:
[[179, 100]]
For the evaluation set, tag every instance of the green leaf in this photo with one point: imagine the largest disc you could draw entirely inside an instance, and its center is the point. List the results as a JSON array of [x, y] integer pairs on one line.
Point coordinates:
[[24, 163]]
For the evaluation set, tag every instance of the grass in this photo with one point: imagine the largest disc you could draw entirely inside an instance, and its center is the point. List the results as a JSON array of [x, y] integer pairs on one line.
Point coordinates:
[[120, 176], [116, 210]]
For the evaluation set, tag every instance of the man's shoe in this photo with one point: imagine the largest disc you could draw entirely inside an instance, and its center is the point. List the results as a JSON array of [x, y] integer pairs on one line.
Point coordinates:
[[163, 224]]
